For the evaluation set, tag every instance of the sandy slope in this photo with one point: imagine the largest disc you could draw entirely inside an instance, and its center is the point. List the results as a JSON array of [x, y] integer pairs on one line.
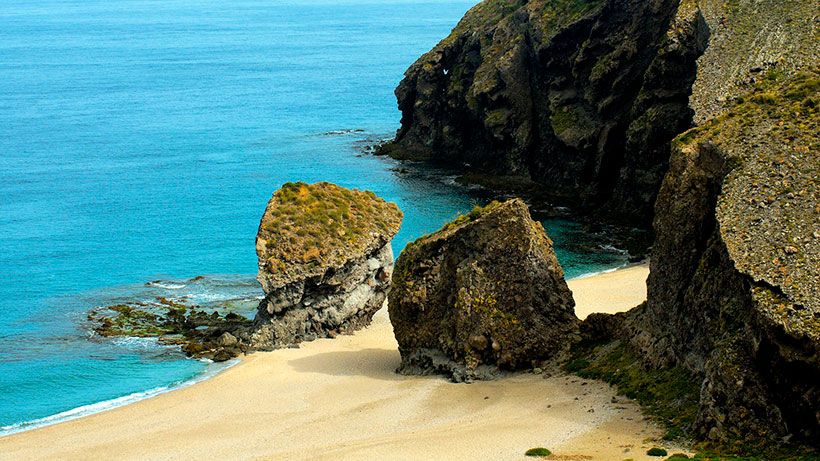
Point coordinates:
[[339, 399]]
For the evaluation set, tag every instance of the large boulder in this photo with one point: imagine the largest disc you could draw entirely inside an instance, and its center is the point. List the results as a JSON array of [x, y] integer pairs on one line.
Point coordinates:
[[325, 262], [484, 293]]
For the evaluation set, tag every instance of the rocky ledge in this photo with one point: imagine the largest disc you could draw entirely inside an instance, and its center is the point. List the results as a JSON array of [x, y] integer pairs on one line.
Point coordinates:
[[200, 332], [485, 293], [325, 262]]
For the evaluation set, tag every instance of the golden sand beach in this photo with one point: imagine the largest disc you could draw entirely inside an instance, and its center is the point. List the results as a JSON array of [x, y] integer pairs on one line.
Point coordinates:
[[340, 399]]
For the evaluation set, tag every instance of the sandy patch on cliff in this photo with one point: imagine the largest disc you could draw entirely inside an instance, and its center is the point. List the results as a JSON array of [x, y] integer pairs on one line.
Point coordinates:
[[340, 399]]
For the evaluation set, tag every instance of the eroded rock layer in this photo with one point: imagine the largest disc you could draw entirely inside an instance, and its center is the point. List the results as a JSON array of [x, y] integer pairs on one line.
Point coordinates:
[[325, 262], [483, 293]]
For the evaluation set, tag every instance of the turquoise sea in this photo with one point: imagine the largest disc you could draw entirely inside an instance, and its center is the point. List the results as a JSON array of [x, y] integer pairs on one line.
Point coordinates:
[[139, 143]]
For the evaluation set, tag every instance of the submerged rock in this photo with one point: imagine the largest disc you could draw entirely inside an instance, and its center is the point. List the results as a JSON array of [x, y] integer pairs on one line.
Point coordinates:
[[198, 332], [325, 262], [484, 293]]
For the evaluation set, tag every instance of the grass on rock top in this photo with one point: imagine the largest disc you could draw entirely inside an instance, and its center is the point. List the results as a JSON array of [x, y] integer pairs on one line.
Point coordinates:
[[791, 101], [319, 224]]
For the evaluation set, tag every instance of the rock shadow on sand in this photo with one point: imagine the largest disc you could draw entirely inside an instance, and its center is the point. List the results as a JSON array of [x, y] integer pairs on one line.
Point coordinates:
[[372, 363]]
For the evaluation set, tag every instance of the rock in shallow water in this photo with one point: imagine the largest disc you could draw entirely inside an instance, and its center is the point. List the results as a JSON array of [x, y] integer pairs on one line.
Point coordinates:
[[325, 262], [484, 293]]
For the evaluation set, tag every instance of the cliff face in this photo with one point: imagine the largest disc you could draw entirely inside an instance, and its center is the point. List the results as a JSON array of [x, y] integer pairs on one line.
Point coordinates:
[[586, 98], [734, 288], [579, 96], [747, 37]]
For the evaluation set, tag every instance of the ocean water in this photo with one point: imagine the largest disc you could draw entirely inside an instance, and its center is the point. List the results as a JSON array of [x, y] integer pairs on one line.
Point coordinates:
[[139, 143]]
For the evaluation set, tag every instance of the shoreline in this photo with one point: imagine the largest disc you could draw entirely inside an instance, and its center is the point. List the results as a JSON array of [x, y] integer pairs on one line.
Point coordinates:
[[617, 290], [213, 369]]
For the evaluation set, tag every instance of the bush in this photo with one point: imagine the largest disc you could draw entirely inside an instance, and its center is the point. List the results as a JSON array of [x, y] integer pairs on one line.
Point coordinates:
[[540, 451]]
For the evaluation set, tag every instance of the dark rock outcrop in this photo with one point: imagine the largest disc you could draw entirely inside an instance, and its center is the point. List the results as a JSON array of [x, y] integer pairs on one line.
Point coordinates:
[[325, 262], [579, 96], [483, 293]]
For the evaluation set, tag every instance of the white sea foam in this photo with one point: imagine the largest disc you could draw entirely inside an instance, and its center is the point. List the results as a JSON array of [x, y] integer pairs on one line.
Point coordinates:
[[450, 180], [99, 407], [613, 249], [211, 296], [593, 274], [167, 285], [142, 344]]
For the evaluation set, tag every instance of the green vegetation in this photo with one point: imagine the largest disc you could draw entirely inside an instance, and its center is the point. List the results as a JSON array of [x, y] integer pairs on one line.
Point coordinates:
[[164, 317], [480, 308], [196, 331], [548, 17], [655, 451], [678, 457], [319, 224], [556, 14], [670, 396], [409, 255], [769, 456], [477, 212], [497, 117], [569, 120], [551, 14], [789, 101], [484, 14], [540, 451]]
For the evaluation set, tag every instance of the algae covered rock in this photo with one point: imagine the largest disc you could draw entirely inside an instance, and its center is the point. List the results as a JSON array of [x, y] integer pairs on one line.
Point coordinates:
[[200, 332], [484, 293], [325, 262]]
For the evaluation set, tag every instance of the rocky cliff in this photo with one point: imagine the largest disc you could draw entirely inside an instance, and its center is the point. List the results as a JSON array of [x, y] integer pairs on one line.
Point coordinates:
[[582, 97], [324, 262], [586, 100], [579, 96], [484, 293], [734, 288]]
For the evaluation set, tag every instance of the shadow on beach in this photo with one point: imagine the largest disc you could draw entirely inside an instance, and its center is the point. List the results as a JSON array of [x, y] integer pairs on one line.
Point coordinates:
[[372, 363]]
